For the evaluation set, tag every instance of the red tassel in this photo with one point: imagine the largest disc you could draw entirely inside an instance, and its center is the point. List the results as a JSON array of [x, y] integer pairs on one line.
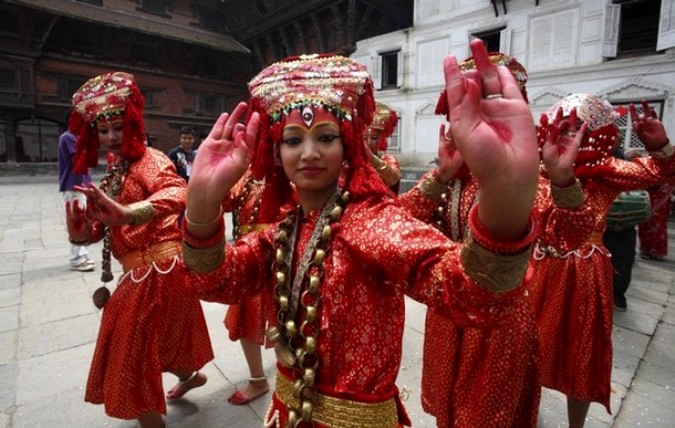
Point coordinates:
[[442, 107], [133, 146]]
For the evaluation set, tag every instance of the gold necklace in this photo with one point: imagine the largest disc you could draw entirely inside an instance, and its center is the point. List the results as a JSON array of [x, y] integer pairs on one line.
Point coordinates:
[[297, 346]]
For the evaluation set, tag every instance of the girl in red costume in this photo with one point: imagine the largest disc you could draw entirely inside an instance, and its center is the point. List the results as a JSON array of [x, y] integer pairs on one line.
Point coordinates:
[[246, 321], [486, 376], [338, 266], [572, 287], [153, 322], [383, 125]]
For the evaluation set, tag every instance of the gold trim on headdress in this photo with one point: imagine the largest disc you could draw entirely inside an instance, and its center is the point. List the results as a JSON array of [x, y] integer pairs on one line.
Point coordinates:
[[334, 82]]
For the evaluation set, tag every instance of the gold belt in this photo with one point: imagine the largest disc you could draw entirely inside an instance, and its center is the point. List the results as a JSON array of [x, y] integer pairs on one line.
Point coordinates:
[[246, 228], [596, 238], [154, 253], [337, 412]]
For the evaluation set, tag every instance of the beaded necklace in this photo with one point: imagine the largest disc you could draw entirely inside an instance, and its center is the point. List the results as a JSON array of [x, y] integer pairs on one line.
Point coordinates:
[[297, 347], [111, 185]]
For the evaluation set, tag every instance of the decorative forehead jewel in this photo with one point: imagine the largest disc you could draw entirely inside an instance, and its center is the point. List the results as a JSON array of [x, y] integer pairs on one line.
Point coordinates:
[[592, 110], [334, 82], [105, 95], [499, 58]]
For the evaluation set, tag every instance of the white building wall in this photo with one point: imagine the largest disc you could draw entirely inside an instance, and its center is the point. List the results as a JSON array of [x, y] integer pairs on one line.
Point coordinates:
[[565, 45]]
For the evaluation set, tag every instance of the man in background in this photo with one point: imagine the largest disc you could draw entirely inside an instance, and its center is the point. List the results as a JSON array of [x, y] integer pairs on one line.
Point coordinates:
[[79, 255], [183, 155]]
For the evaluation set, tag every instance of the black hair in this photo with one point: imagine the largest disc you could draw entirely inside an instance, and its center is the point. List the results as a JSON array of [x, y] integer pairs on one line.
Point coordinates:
[[188, 130]]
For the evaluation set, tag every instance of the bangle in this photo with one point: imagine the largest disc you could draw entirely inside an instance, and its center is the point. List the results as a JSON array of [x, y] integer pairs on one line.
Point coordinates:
[[207, 224], [432, 189], [142, 212], [486, 239], [664, 152], [568, 197]]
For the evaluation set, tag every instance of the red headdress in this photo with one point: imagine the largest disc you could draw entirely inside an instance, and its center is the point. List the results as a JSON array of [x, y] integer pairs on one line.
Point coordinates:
[[341, 86], [598, 142], [103, 98], [384, 120]]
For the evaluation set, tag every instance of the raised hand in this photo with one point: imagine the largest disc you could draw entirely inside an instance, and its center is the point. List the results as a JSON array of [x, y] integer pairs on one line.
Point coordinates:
[[77, 223], [222, 159], [563, 140], [103, 208], [493, 129], [449, 158], [648, 127]]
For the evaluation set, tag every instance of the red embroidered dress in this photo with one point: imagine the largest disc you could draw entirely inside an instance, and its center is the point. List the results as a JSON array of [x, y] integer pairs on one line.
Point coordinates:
[[377, 253], [479, 376], [654, 233], [571, 290], [246, 320], [153, 322]]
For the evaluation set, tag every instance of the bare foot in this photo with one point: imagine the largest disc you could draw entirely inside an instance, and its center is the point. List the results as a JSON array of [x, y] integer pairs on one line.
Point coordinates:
[[252, 390], [195, 380]]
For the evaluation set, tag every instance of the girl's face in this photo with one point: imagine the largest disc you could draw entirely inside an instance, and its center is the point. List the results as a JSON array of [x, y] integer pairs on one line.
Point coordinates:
[[311, 151], [110, 135], [373, 139]]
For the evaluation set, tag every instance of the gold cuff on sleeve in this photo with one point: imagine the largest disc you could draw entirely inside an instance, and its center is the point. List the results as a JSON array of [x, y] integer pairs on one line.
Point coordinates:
[[432, 189], [664, 152], [143, 212], [498, 272], [204, 260], [568, 197]]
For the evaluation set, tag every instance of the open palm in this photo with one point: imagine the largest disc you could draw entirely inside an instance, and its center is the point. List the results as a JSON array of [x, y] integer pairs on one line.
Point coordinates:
[[222, 158]]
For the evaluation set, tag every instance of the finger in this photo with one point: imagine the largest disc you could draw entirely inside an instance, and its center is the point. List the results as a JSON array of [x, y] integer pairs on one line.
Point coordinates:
[[491, 84], [252, 129], [572, 120], [646, 109], [558, 116], [633, 113], [235, 117], [509, 86], [217, 130], [454, 84]]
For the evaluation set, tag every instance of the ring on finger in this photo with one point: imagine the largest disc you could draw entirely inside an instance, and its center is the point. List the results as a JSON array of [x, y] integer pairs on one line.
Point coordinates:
[[493, 96]]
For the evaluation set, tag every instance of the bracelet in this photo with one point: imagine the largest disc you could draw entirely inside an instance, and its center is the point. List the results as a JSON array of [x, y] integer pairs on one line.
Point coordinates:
[[207, 224], [432, 188], [486, 239], [142, 212], [664, 152], [204, 260], [497, 272], [568, 197]]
